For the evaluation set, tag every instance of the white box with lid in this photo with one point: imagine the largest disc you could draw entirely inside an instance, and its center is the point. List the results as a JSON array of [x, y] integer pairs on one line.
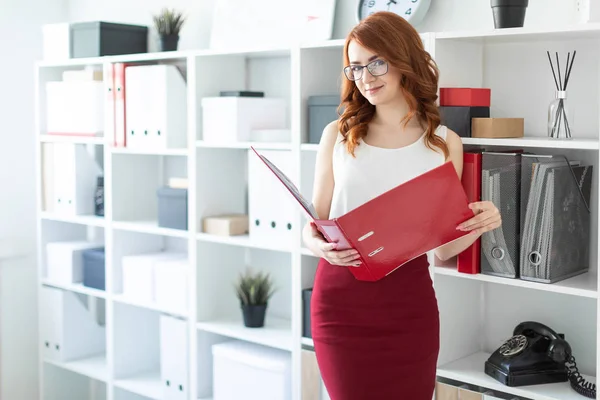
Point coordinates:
[[259, 372], [232, 119]]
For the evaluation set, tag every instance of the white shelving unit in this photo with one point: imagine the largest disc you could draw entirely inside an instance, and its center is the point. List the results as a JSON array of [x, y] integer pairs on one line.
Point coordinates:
[[477, 311]]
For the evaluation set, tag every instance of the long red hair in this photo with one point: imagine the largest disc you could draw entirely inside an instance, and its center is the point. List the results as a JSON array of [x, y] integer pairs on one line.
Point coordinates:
[[393, 38]]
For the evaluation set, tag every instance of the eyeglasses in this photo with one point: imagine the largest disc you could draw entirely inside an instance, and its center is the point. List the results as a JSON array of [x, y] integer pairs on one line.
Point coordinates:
[[375, 68]]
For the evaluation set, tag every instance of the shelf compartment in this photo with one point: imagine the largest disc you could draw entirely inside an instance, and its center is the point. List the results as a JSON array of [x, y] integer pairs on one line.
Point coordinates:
[[470, 370], [147, 384], [137, 350], [92, 367], [219, 312], [135, 186], [583, 285], [276, 333]]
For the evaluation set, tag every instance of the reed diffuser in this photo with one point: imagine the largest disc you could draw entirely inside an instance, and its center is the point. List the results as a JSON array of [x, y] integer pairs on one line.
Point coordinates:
[[560, 118]]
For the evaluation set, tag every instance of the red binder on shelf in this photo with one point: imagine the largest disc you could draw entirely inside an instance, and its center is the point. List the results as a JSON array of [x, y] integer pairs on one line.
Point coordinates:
[[397, 226], [468, 261]]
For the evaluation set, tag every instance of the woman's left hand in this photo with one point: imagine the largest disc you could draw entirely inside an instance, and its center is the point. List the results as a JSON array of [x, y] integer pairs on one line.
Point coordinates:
[[486, 219]]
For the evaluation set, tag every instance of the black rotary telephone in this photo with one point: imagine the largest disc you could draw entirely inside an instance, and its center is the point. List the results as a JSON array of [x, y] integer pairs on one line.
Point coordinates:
[[535, 354]]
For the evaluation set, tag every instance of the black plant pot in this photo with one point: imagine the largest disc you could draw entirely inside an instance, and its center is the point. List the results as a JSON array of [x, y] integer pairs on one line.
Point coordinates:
[[169, 42], [509, 13], [254, 315]]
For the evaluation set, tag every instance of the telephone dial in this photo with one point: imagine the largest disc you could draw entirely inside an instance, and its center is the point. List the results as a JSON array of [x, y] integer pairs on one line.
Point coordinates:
[[535, 354]]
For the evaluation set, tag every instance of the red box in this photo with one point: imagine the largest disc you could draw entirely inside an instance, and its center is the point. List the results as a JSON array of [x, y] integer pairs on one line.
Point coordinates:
[[465, 97]]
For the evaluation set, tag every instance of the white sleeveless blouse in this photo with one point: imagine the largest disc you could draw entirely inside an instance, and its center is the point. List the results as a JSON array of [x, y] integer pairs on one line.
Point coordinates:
[[376, 170]]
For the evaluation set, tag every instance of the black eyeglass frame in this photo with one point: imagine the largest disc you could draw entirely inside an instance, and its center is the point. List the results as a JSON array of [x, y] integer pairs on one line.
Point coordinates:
[[349, 74]]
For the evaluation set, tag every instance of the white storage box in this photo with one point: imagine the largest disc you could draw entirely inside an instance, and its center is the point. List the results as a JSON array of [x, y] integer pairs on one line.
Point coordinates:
[[56, 41], [231, 119], [156, 107], [75, 108], [171, 277], [68, 328], [243, 370], [271, 207], [64, 261], [138, 274]]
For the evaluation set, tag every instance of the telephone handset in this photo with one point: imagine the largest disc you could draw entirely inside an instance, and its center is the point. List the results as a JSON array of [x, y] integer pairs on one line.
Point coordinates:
[[535, 354]]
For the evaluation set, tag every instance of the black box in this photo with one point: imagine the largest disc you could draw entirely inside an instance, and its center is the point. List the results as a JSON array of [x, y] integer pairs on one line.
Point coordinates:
[[459, 118], [306, 295], [99, 38]]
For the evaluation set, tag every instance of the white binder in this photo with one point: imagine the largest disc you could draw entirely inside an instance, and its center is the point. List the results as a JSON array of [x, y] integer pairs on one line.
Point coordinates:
[[174, 358], [155, 107], [271, 208], [75, 177], [68, 328]]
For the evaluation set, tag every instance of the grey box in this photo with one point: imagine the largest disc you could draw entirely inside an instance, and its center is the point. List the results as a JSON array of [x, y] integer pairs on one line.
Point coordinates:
[[172, 208], [321, 111], [99, 38], [306, 325], [94, 267]]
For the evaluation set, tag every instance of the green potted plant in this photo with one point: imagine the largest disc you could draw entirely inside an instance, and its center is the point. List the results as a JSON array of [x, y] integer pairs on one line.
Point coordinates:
[[254, 291], [168, 24]]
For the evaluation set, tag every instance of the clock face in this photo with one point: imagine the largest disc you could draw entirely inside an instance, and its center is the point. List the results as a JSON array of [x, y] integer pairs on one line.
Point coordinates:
[[411, 10]]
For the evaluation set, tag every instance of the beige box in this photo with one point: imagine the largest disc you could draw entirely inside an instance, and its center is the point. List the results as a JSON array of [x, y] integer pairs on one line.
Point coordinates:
[[497, 127], [226, 225], [444, 391], [465, 394]]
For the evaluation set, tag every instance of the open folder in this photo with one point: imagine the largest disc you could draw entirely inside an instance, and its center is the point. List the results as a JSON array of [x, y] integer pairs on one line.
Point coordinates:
[[397, 226]]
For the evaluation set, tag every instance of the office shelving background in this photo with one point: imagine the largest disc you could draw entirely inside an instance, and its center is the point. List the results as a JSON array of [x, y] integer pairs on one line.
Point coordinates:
[[477, 311]]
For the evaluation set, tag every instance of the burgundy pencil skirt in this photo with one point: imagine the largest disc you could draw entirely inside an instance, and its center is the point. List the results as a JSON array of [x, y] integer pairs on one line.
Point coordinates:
[[376, 340]]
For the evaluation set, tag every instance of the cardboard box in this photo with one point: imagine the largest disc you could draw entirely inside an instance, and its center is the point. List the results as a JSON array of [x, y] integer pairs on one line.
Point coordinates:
[[497, 127], [465, 394], [444, 391], [226, 225]]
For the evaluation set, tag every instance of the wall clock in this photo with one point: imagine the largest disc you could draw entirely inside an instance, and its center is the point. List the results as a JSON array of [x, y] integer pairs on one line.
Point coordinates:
[[411, 10]]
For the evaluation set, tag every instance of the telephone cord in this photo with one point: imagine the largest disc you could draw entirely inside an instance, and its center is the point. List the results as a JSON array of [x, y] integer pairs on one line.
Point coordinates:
[[578, 383]]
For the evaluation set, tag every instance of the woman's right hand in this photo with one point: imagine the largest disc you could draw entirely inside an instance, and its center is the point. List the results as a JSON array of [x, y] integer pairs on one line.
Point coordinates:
[[326, 250]]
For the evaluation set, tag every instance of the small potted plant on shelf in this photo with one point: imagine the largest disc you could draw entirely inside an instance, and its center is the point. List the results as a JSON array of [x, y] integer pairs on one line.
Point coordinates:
[[168, 24], [254, 291]]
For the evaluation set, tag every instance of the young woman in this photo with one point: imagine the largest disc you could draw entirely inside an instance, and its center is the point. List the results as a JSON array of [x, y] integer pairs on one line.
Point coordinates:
[[380, 340]]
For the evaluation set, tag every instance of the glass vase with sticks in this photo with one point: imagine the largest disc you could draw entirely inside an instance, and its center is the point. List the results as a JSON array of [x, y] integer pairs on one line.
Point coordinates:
[[560, 118]]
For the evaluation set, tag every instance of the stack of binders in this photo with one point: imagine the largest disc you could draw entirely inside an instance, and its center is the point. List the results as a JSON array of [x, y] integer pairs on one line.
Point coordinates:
[[544, 202], [555, 218], [147, 106], [458, 106]]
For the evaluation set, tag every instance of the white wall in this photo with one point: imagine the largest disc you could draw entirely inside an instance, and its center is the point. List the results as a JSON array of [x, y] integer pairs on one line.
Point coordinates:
[[443, 15], [20, 46]]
